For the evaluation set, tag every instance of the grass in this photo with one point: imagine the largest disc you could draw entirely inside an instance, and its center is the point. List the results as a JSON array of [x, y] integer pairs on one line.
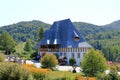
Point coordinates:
[[54, 75]]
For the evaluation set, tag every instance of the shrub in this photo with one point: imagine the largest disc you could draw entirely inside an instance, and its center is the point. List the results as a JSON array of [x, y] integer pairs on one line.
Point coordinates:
[[39, 76], [118, 67], [49, 61], [2, 57], [103, 76], [33, 69], [72, 61], [13, 71], [38, 73], [114, 75]]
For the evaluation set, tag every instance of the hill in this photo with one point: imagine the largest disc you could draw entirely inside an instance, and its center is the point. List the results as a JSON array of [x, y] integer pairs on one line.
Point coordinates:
[[114, 25], [105, 38], [25, 30], [98, 36]]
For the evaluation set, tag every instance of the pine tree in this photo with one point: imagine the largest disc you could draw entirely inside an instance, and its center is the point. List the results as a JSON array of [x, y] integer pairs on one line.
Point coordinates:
[[7, 43], [41, 31], [27, 46]]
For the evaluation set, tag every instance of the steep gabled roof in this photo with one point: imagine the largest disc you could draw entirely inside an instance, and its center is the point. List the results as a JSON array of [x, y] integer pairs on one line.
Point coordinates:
[[62, 32]]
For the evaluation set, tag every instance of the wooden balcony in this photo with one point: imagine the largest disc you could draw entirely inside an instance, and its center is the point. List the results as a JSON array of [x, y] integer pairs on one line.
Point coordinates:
[[49, 50]]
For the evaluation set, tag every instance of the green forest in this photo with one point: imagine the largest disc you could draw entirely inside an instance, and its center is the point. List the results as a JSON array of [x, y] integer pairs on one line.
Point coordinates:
[[105, 38]]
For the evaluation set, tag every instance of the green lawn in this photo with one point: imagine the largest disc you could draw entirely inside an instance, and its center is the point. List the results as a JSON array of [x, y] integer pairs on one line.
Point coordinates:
[[56, 75]]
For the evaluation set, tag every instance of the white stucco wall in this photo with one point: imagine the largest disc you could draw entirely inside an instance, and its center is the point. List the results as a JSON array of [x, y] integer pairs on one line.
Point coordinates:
[[69, 55]]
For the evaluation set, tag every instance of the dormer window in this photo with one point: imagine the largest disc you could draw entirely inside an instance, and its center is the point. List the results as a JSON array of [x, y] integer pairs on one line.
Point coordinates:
[[76, 38]]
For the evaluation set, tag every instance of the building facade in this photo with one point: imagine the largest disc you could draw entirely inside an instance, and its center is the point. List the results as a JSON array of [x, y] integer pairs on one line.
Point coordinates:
[[65, 41]]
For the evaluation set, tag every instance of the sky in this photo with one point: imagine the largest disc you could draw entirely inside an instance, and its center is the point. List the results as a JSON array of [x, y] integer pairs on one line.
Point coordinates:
[[99, 12]]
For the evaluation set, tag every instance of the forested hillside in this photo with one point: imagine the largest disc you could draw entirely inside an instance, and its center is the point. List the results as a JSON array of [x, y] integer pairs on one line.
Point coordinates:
[[100, 36], [105, 38], [114, 25], [25, 30]]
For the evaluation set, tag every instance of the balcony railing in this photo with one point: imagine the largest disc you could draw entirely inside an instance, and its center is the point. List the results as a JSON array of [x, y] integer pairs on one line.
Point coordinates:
[[49, 50]]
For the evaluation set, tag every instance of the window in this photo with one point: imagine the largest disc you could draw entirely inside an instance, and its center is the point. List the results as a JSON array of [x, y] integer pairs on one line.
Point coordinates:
[[68, 50], [71, 49], [76, 39], [72, 54], [60, 54], [64, 54], [78, 55]]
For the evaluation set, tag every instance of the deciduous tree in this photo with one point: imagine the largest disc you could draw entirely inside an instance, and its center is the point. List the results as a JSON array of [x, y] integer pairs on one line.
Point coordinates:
[[49, 61], [7, 43], [93, 63]]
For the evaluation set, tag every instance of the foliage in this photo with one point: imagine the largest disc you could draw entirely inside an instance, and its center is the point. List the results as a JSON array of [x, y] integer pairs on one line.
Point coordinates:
[[34, 55], [19, 49], [41, 31], [7, 43], [47, 74], [114, 75], [49, 61], [118, 67], [12, 71], [72, 61], [2, 57], [26, 50], [39, 76], [99, 37], [27, 46], [25, 54], [103, 76], [112, 53], [103, 38], [93, 63], [25, 30], [38, 73]]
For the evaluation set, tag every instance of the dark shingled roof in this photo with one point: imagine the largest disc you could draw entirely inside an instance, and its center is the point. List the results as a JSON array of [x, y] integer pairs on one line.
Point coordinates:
[[63, 32]]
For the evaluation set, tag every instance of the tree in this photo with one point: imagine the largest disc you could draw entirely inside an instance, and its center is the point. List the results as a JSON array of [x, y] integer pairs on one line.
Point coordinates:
[[49, 61], [2, 57], [27, 46], [93, 63], [41, 31], [72, 62], [7, 43]]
